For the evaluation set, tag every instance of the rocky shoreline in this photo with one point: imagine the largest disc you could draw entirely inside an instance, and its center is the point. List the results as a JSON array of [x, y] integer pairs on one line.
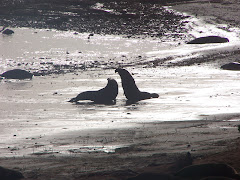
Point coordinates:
[[129, 18], [214, 139]]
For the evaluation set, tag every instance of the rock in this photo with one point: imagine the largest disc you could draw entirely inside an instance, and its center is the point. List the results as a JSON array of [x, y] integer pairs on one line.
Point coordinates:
[[206, 170], [6, 31], [17, 74], [209, 39], [8, 174], [235, 66]]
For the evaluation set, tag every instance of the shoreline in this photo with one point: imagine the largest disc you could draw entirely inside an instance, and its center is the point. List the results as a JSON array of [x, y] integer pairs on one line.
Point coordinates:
[[154, 147]]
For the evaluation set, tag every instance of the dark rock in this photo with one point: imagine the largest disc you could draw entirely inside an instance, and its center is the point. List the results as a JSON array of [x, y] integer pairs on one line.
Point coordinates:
[[235, 66], [7, 31], [209, 39], [206, 170], [8, 174], [17, 74]]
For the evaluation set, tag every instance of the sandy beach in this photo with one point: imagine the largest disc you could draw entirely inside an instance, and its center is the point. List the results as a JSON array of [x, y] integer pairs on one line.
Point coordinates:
[[45, 137]]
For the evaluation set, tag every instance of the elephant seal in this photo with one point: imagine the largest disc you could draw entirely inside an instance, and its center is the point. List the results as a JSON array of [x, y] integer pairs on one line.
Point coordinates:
[[105, 95], [234, 66], [209, 39], [130, 88], [17, 74]]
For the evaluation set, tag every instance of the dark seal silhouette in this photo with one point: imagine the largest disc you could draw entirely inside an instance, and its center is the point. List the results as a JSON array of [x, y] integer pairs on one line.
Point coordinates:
[[105, 95], [207, 170], [209, 39], [8, 174], [130, 88], [234, 66], [7, 31], [17, 74]]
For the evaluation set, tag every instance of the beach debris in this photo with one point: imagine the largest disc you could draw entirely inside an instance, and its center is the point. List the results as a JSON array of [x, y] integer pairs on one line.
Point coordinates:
[[17, 74], [206, 170], [235, 66], [106, 95], [8, 174], [209, 39]]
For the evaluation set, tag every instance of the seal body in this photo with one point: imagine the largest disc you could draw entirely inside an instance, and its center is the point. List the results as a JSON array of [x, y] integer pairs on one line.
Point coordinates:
[[209, 39], [234, 66], [130, 88], [107, 94], [17, 74]]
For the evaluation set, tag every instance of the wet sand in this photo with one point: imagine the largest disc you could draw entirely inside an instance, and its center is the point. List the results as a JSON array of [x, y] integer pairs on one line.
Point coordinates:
[[156, 147], [51, 146], [145, 146]]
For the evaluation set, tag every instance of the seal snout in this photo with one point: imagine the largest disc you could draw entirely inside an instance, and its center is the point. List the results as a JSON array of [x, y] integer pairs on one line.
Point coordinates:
[[154, 95]]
